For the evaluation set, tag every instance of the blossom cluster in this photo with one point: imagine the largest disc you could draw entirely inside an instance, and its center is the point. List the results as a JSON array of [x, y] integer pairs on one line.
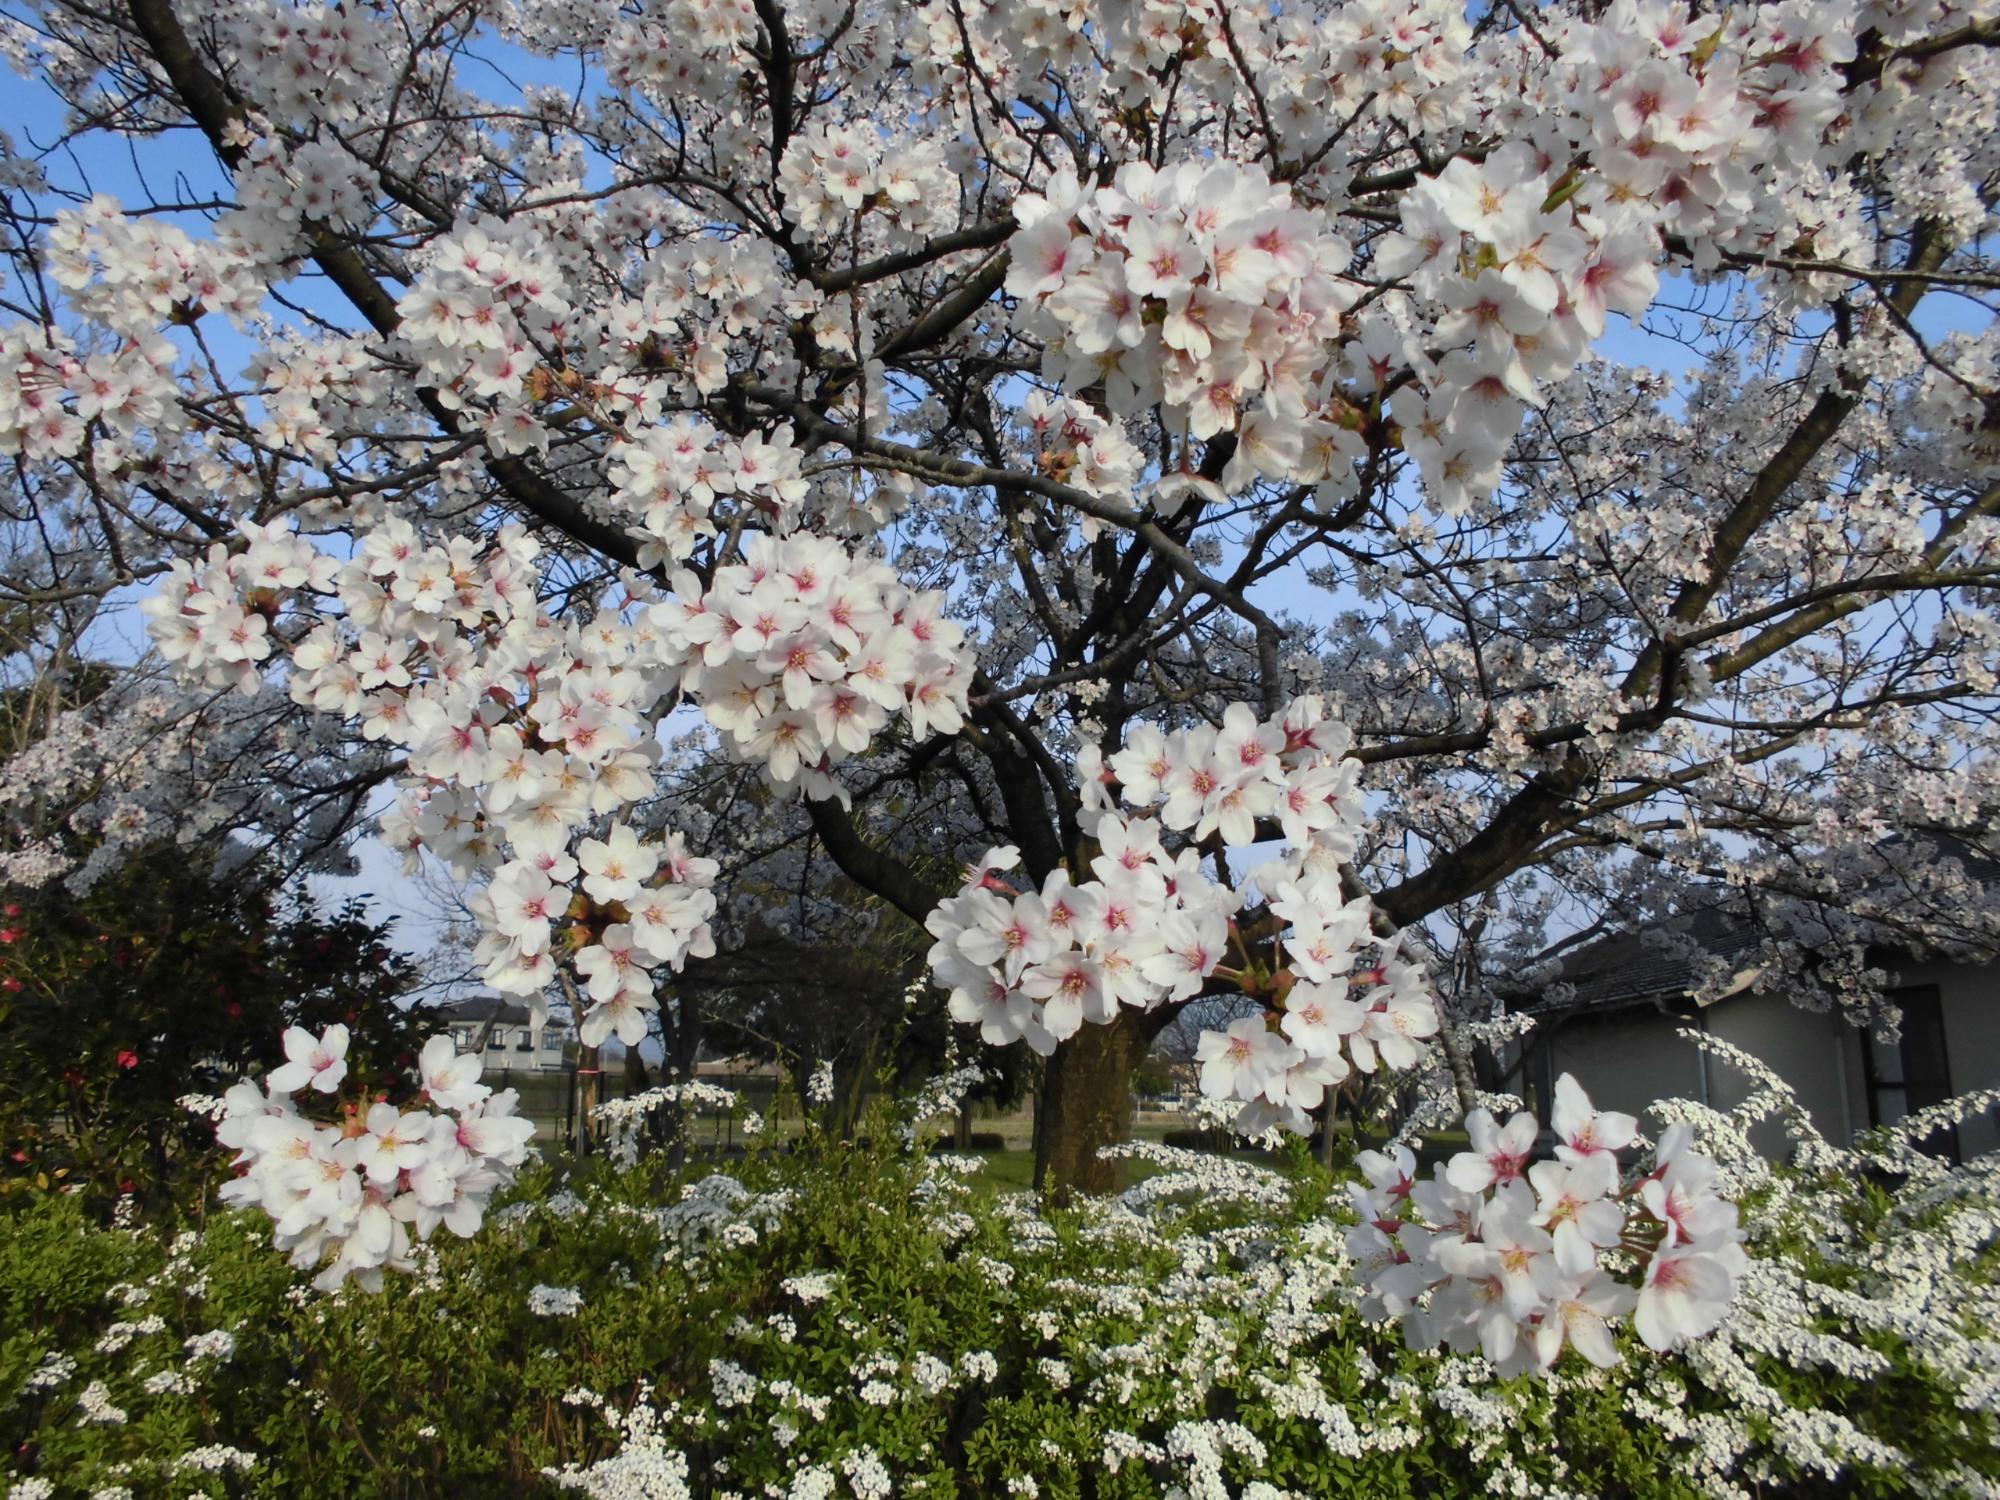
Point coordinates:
[[641, 907], [133, 274], [493, 295], [805, 651], [1706, 129], [348, 1194], [212, 619], [1201, 286], [829, 172], [520, 734], [1517, 1258], [1075, 444], [1152, 925], [51, 393], [672, 473]]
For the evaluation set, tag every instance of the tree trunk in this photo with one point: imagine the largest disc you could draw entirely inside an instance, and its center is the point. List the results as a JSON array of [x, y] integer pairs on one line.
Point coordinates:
[[682, 1059], [1086, 1104], [1458, 1057], [853, 1072], [589, 1094]]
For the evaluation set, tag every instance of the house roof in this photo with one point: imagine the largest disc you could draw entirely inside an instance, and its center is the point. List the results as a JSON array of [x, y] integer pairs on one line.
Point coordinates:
[[478, 1009], [1686, 961], [1657, 964]]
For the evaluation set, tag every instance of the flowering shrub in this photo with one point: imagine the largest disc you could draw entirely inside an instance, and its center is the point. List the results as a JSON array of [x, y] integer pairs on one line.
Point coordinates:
[[875, 1322], [155, 982]]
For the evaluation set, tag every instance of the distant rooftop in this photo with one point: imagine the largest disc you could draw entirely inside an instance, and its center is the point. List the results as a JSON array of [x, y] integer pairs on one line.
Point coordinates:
[[479, 1009], [1630, 968], [1665, 964]]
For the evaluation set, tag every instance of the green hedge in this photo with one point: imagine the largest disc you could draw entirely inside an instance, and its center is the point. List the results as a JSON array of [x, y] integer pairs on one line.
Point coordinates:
[[839, 1321]]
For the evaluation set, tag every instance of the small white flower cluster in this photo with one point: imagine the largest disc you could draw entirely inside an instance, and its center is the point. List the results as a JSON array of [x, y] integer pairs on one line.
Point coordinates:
[[829, 172], [554, 1301], [118, 1335], [348, 1194], [819, 1087], [804, 652], [622, 1118], [132, 273], [1506, 1256], [54, 1372], [1152, 926], [646, 1466], [1204, 1447], [97, 1407], [868, 1475], [216, 1458], [813, 1287]]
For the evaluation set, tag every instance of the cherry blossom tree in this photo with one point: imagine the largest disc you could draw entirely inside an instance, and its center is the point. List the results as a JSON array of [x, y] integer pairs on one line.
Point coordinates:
[[1202, 466]]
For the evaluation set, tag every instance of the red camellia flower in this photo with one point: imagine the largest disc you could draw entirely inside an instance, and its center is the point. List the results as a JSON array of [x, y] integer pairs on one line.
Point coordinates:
[[128, 1059], [11, 985]]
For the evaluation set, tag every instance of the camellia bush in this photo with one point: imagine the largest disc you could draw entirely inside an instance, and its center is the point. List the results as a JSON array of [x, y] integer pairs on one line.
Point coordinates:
[[1499, 457], [157, 982]]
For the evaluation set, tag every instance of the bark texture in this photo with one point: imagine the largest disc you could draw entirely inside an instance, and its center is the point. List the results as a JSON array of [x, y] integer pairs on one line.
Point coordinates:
[[1086, 1104]]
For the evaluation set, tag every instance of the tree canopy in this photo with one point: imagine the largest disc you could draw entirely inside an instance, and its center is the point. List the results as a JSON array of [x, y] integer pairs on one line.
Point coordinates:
[[1348, 493]]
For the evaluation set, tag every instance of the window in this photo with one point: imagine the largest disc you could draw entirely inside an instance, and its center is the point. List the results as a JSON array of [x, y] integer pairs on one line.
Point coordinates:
[[1911, 1074], [527, 1041]]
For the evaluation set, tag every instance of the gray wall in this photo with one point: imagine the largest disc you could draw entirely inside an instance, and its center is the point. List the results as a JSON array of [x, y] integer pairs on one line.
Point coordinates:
[[1627, 1059], [1817, 1053], [1624, 1059]]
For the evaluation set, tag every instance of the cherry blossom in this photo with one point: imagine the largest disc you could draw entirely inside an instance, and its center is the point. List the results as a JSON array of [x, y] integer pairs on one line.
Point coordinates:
[[315, 1062], [345, 1197], [1520, 1261], [1150, 926], [807, 439]]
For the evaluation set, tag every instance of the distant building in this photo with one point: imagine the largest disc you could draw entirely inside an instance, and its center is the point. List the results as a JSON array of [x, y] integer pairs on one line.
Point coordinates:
[[1617, 1026], [736, 1067], [505, 1036]]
